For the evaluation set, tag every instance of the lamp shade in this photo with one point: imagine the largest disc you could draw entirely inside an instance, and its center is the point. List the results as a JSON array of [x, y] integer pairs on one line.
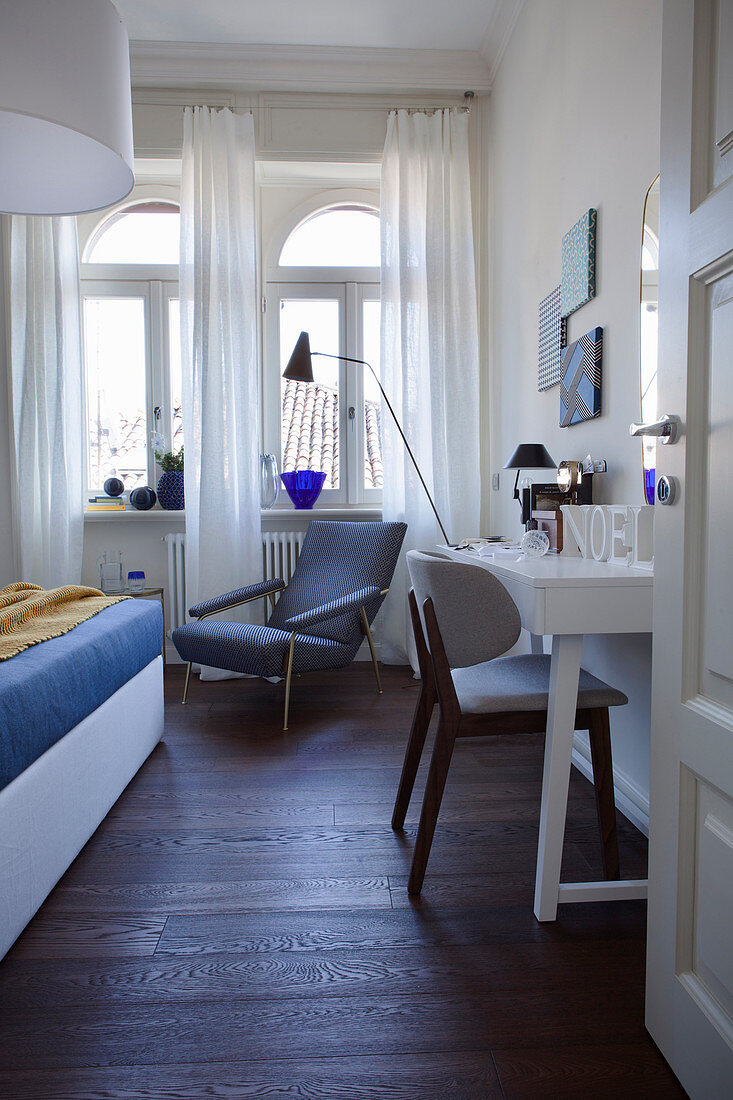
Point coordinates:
[[65, 107], [530, 456], [300, 364]]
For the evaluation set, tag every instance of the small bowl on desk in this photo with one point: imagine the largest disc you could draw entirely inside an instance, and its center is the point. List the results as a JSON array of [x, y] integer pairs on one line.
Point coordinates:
[[303, 486]]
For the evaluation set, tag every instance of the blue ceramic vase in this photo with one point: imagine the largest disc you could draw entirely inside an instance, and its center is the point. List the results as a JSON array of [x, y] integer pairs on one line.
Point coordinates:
[[170, 491]]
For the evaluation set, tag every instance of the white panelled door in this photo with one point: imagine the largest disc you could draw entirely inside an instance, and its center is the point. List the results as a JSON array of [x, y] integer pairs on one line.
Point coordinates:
[[690, 949]]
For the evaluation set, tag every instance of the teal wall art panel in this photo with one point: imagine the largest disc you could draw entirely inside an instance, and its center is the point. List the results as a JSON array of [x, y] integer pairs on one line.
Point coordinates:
[[580, 389], [578, 284]]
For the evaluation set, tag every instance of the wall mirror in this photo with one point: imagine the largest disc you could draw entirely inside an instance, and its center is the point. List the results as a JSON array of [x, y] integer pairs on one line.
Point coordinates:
[[648, 332]]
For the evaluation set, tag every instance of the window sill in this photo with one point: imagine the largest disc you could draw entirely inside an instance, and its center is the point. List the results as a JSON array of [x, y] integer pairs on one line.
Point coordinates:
[[130, 515], [273, 515]]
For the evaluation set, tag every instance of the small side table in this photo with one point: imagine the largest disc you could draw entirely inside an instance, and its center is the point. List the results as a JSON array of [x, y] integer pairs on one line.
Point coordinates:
[[146, 594]]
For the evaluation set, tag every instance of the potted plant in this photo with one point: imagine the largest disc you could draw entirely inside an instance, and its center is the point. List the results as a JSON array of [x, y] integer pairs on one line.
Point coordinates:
[[170, 484]]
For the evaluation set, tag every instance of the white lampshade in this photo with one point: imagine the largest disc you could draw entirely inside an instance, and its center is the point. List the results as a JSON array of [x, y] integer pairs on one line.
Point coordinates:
[[65, 107]]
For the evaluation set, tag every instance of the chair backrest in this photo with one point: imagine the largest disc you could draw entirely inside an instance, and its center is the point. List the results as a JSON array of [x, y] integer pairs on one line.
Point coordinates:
[[477, 617], [338, 558]]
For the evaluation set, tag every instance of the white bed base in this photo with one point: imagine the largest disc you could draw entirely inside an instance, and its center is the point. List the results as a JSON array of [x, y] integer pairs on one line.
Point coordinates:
[[48, 813]]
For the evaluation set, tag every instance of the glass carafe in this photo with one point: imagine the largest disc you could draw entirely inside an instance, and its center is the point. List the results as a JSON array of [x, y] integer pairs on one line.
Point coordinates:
[[269, 481]]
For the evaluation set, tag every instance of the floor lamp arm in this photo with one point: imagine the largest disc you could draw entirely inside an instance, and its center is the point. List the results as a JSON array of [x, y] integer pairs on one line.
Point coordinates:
[[387, 402]]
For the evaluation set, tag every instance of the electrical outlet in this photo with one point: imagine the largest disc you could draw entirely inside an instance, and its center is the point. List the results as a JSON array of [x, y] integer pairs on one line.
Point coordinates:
[[495, 482]]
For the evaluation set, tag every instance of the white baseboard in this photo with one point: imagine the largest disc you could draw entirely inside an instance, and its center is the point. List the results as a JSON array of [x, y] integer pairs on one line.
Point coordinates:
[[630, 799]]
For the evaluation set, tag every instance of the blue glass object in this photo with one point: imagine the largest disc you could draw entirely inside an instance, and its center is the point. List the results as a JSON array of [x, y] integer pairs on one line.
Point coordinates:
[[649, 483], [136, 580], [303, 486], [170, 491], [143, 498], [114, 487]]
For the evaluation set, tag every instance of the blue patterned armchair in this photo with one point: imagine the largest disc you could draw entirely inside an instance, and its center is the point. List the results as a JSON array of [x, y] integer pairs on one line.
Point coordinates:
[[318, 622]]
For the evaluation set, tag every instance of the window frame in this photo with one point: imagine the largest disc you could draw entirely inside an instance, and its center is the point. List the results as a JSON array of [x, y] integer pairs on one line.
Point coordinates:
[[157, 284], [352, 286]]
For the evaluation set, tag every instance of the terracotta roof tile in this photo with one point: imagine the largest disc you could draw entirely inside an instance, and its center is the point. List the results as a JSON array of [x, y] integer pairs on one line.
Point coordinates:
[[310, 433]]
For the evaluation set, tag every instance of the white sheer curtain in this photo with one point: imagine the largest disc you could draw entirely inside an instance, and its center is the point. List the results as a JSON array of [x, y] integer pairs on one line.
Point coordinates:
[[429, 343], [47, 389], [219, 302]]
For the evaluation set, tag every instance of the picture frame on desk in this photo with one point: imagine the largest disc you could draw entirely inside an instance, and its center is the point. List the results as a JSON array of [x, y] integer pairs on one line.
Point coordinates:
[[545, 497], [549, 497]]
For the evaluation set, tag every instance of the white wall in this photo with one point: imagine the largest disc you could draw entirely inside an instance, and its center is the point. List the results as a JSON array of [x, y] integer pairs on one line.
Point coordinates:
[[575, 124]]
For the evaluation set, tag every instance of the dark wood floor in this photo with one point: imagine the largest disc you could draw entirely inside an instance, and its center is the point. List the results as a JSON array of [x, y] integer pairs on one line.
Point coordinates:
[[239, 925]]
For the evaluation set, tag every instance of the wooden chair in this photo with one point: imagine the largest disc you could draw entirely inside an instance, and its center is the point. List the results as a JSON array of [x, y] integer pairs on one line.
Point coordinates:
[[470, 620]]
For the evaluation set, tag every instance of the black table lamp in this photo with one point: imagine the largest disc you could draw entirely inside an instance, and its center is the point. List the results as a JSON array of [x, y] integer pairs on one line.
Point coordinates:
[[529, 456], [300, 369]]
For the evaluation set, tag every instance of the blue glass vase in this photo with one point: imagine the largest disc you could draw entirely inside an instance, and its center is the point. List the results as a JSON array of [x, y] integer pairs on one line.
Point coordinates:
[[303, 486]]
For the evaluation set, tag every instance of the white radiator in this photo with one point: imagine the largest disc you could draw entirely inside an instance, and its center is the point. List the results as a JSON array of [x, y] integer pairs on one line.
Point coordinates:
[[176, 546], [280, 551]]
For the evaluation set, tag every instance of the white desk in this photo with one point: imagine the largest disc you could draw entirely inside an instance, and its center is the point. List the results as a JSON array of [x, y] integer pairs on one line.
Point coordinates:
[[568, 597]]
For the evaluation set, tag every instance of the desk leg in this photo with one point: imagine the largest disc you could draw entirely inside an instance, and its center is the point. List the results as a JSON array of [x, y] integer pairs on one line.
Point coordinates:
[[564, 674]]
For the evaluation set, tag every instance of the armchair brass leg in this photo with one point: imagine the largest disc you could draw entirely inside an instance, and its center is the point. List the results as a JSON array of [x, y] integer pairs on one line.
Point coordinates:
[[367, 631], [288, 678], [185, 686]]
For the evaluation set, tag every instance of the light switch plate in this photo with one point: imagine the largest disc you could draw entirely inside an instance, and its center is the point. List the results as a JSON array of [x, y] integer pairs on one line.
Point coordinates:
[[495, 482]]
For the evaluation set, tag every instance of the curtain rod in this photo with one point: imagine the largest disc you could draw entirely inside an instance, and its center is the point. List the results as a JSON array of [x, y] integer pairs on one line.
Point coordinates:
[[468, 98]]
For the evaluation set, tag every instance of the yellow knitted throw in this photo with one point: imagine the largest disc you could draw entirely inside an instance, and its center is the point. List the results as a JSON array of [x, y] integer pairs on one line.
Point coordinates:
[[29, 614]]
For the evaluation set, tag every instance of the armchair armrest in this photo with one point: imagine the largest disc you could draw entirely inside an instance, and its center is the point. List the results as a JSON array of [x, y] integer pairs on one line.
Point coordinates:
[[333, 609], [238, 596]]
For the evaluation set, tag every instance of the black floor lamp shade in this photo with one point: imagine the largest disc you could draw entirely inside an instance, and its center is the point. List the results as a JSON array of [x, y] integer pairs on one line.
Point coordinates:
[[300, 364]]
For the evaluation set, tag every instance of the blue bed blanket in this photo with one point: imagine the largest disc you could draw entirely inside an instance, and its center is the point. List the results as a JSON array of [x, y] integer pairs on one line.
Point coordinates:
[[48, 689]]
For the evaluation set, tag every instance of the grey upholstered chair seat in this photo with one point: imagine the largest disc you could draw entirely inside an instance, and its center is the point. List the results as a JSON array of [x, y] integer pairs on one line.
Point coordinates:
[[257, 650], [522, 683]]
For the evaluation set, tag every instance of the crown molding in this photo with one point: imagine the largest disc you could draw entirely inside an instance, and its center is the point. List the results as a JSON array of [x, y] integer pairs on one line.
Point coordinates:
[[501, 26], [305, 68]]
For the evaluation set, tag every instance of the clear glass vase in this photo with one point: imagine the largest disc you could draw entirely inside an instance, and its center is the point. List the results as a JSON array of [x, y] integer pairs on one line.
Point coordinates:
[[269, 481]]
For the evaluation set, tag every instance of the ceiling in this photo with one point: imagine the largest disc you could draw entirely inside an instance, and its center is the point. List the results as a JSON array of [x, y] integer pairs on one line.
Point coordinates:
[[385, 24]]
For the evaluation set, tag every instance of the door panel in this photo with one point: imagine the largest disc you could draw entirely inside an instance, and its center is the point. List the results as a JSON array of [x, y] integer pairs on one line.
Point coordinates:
[[690, 940], [722, 79], [716, 680]]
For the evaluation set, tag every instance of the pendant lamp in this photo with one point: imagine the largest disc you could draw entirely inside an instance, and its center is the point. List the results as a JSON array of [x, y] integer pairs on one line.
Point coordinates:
[[65, 107]]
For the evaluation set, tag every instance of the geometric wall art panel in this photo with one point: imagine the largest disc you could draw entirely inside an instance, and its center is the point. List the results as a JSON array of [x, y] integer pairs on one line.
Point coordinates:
[[552, 338], [580, 389], [578, 284]]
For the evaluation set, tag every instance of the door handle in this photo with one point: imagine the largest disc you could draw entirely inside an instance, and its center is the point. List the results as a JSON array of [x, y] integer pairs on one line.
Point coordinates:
[[667, 428]]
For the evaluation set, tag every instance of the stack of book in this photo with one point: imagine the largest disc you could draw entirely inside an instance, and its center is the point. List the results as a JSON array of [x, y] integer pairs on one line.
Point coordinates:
[[105, 504]]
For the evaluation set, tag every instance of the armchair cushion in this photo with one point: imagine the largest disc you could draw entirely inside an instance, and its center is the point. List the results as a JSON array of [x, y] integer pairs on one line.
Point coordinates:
[[257, 650], [239, 595], [333, 609]]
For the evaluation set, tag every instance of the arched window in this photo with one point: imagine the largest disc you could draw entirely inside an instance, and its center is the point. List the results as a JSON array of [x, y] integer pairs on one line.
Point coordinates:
[[326, 282], [340, 236], [131, 342], [145, 233]]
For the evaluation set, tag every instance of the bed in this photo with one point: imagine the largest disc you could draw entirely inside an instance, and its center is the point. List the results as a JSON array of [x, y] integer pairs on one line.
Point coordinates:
[[79, 714]]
